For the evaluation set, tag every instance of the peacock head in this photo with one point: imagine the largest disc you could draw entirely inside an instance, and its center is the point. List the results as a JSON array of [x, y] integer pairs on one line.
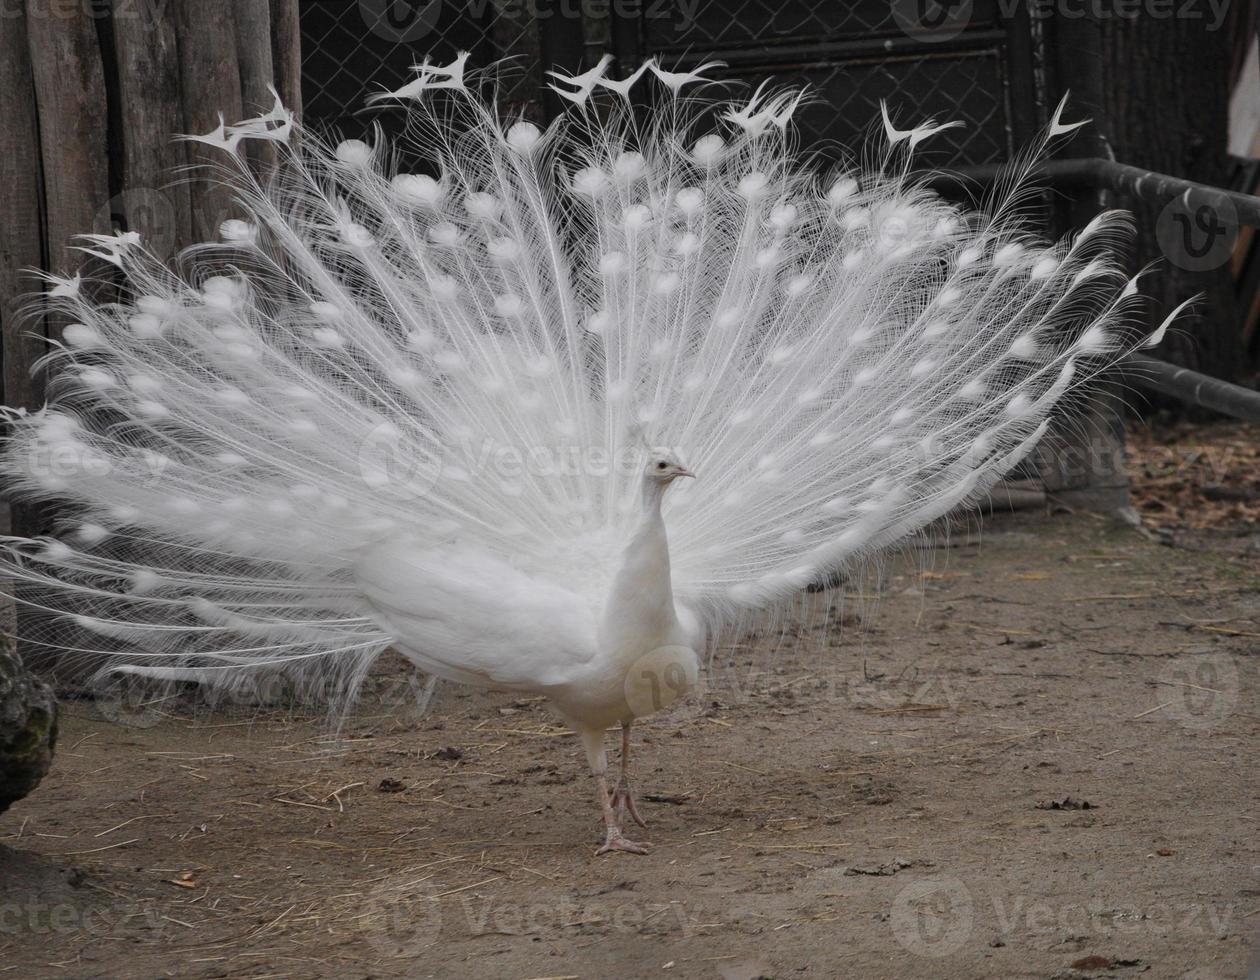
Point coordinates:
[[664, 467]]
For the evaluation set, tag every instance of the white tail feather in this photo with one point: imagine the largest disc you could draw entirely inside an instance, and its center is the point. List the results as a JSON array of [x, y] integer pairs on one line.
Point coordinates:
[[462, 355]]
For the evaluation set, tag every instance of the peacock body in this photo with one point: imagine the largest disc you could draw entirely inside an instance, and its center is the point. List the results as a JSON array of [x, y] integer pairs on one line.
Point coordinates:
[[441, 410]]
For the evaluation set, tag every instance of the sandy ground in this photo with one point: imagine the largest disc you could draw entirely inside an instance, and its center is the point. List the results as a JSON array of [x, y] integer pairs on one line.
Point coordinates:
[[1035, 759]]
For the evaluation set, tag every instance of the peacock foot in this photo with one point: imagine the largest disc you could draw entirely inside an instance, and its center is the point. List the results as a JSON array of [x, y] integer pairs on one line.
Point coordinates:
[[623, 802], [616, 841]]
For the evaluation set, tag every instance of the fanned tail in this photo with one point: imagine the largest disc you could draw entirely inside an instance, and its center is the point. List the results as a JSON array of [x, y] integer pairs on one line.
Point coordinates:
[[461, 352]]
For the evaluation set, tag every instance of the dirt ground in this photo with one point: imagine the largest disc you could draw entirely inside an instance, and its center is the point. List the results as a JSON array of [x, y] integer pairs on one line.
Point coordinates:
[[1033, 756]]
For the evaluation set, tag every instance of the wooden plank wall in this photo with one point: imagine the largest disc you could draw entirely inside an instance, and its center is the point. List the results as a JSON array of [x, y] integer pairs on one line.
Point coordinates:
[[93, 94]]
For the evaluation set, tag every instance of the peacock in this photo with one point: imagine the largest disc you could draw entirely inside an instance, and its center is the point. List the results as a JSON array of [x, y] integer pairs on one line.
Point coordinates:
[[551, 410]]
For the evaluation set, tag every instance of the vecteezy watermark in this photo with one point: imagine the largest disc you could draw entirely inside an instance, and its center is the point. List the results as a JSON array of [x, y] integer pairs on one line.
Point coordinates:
[[1201, 691], [403, 465], [662, 677], [395, 466], [404, 21], [405, 914], [134, 701], [39, 918], [127, 699], [933, 21], [935, 917], [1196, 234], [144, 210], [401, 916], [938, 21], [150, 10], [932, 917]]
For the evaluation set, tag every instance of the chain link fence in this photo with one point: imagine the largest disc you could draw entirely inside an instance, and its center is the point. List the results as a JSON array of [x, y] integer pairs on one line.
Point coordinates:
[[352, 48], [949, 63]]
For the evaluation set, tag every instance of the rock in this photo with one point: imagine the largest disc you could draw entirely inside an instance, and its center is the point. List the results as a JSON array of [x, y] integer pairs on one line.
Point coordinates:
[[28, 729]]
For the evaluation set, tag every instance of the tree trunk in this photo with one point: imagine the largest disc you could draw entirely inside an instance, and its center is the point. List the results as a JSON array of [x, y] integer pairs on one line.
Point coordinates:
[[21, 231], [210, 87], [286, 52], [28, 729], [70, 97], [153, 200]]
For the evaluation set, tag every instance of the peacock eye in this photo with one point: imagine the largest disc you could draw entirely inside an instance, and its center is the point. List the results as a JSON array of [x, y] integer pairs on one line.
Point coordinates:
[[660, 466]]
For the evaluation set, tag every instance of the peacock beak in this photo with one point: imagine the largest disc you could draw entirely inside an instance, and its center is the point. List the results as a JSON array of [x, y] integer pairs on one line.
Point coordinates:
[[683, 471]]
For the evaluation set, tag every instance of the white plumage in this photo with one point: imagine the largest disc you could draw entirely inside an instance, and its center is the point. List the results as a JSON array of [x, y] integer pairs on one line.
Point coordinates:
[[410, 406]]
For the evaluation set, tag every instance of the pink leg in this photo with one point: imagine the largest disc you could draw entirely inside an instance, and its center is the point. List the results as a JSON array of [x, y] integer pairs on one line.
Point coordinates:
[[623, 798], [614, 840]]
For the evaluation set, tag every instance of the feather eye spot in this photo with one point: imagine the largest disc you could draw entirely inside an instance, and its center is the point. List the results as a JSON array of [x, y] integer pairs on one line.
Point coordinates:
[[708, 149], [1008, 255], [97, 378], [687, 244], [768, 258], [483, 206], [1025, 347], [158, 306], [354, 234], [629, 166], [752, 186], [855, 219], [798, 285], [445, 287], [636, 217], [689, 200], [239, 232], [81, 336], [418, 189], [444, 233], [326, 312], [508, 305], [665, 284], [232, 397], [837, 507], [1044, 268], [539, 367], [328, 338], [353, 153], [841, 191], [783, 217], [450, 361], [590, 181], [523, 136], [503, 250], [145, 326]]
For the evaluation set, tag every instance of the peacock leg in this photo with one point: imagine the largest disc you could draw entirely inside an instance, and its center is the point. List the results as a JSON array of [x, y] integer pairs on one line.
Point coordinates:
[[614, 840], [623, 798]]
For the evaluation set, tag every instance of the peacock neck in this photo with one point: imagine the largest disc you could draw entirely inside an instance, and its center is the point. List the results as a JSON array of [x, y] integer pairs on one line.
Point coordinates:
[[642, 597]]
